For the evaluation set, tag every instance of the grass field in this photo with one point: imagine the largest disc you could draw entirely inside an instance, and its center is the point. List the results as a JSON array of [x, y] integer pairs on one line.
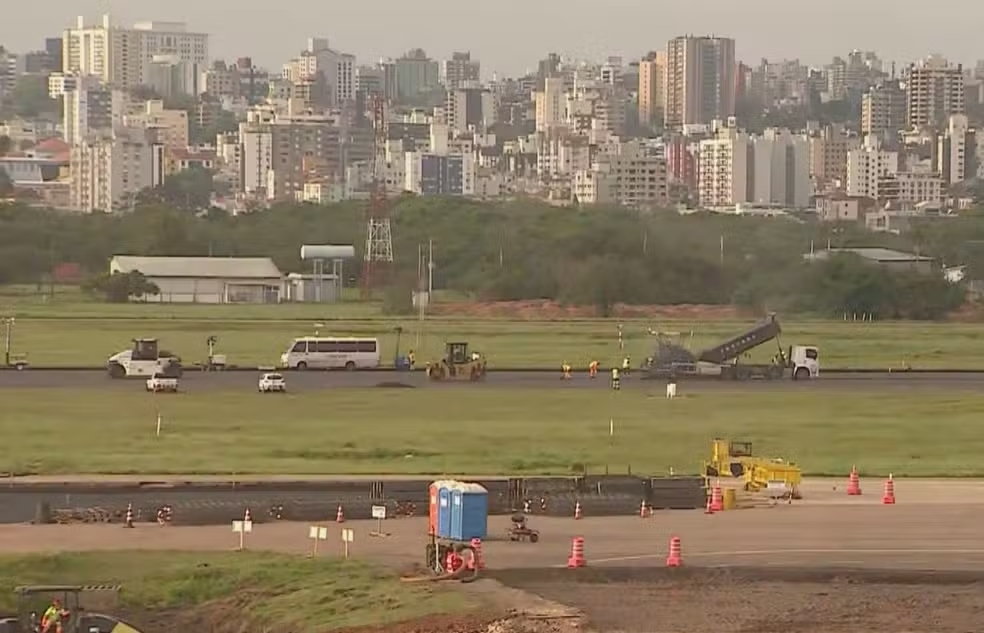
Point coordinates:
[[482, 431], [260, 338], [307, 595]]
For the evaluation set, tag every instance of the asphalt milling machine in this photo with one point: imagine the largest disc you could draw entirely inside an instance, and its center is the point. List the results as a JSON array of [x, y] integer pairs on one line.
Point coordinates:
[[672, 360]]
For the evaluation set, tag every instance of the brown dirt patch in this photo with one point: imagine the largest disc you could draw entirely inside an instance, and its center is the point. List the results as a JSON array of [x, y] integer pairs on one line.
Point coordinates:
[[551, 310]]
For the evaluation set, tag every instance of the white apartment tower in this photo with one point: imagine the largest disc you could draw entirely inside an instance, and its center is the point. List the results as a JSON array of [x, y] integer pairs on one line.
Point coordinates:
[[122, 57], [957, 151], [469, 107], [871, 171], [108, 171], [700, 80], [781, 171], [934, 91], [724, 164], [90, 107]]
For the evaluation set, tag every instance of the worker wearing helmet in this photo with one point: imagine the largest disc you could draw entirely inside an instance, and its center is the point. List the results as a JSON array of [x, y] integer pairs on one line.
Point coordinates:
[[593, 369], [566, 369], [51, 621]]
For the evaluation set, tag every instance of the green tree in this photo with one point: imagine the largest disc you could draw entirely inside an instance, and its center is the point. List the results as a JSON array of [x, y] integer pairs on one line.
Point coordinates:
[[120, 287]]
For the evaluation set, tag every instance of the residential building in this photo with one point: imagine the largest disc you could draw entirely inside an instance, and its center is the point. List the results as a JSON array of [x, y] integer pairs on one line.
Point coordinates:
[[840, 208], [724, 167], [934, 91], [108, 171], [59, 84], [918, 189], [414, 75], [652, 88], [469, 108], [170, 76], [550, 110], [337, 68], [883, 110], [370, 81], [781, 170], [91, 108], [956, 152], [828, 155], [221, 81], [461, 69], [632, 177], [299, 144], [122, 57], [170, 126], [256, 140], [430, 174], [871, 171], [700, 80]]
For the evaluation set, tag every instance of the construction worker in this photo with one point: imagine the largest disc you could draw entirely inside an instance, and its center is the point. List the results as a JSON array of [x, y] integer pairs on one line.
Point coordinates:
[[51, 621], [411, 359], [567, 371], [593, 369], [615, 378]]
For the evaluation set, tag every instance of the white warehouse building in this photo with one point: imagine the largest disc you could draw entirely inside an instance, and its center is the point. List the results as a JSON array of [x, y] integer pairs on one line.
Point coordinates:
[[206, 279]]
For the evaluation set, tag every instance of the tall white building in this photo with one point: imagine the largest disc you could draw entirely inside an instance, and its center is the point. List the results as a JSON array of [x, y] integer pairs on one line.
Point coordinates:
[[724, 163], [257, 157], [338, 69], [957, 151], [469, 107], [871, 171], [781, 172], [550, 104], [122, 57], [630, 177], [934, 91], [108, 171]]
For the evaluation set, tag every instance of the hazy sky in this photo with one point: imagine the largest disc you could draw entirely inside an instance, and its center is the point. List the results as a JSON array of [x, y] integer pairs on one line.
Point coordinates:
[[510, 35]]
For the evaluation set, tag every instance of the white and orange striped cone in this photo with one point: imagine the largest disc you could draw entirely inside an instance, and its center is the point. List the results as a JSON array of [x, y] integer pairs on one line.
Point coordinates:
[[576, 558], [247, 517], [888, 497], [717, 499], [128, 520], [643, 510], [675, 557], [577, 510], [339, 515]]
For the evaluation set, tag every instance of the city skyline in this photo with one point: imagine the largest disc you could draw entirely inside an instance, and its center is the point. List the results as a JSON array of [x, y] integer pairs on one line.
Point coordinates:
[[349, 28]]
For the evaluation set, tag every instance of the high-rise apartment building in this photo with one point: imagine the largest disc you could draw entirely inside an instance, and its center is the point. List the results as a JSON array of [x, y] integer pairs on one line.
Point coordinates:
[[108, 171], [934, 91], [470, 107], [652, 88], [883, 110], [550, 111], [700, 80], [724, 165], [414, 74], [871, 171], [460, 70], [297, 144], [828, 154], [956, 154], [121, 57], [781, 170], [90, 107]]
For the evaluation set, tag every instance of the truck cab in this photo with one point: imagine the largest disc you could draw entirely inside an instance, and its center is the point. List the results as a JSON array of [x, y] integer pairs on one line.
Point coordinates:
[[804, 361]]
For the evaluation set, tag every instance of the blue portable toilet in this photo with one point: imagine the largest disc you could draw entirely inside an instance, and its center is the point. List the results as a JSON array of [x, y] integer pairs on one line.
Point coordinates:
[[444, 510], [470, 512]]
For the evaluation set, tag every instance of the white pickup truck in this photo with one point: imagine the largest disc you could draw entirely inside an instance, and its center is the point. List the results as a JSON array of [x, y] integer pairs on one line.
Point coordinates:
[[272, 383], [160, 383]]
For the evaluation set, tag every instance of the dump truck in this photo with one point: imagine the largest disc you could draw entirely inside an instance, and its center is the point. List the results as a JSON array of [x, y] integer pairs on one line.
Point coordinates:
[[671, 360]]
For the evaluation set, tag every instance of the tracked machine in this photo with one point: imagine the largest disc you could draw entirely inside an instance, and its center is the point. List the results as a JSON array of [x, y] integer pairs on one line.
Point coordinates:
[[458, 365], [671, 360]]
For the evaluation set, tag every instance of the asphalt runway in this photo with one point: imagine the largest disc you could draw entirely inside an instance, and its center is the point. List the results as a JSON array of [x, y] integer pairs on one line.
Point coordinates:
[[197, 381]]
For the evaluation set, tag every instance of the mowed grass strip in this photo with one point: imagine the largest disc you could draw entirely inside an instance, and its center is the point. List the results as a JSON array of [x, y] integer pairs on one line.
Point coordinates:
[[258, 338], [284, 592], [482, 431]]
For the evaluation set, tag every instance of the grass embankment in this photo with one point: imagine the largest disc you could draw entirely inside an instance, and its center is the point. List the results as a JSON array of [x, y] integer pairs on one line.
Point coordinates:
[[482, 431], [257, 336], [285, 592]]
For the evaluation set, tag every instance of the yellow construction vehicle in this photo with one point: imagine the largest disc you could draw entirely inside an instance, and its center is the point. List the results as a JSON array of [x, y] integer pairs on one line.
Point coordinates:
[[458, 364], [735, 459]]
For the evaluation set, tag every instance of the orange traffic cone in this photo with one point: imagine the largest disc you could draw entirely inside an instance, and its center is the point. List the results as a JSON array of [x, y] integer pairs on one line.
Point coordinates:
[[717, 500], [339, 515], [128, 520], [577, 510], [675, 558], [888, 497], [853, 483], [577, 554], [643, 510]]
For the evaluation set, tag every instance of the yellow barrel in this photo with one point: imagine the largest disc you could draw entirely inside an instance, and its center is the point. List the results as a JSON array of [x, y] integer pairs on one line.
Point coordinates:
[[730, 499]]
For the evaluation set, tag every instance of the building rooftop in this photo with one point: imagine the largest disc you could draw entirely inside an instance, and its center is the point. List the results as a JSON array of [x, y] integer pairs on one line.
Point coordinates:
[[210, 267]]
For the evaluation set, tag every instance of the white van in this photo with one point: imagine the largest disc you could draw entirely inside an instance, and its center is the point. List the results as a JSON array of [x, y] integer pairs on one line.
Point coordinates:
[[311, 352]]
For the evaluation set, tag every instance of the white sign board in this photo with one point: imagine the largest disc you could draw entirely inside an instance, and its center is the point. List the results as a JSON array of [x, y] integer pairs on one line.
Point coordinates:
[[242, 527], [379, 512], [319, 533], [348, 535]]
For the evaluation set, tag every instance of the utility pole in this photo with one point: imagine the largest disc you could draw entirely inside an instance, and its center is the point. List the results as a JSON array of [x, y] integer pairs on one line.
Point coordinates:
[[7, 339]]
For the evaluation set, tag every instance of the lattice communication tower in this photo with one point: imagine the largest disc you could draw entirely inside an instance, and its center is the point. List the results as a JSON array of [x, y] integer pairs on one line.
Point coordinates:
[[379, 234]]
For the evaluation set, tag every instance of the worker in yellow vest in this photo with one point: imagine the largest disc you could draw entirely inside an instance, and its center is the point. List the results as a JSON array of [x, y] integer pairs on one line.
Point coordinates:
[[566, 368]]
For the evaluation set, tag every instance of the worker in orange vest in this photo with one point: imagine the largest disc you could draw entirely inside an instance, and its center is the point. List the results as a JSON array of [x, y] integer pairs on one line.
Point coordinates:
[[593, 369]]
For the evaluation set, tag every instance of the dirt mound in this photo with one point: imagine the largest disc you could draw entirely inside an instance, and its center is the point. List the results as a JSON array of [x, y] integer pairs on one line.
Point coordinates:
[[551, 310]]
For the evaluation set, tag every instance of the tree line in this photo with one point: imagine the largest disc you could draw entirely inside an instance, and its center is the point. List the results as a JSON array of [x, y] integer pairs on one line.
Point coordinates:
[[527, 250]]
